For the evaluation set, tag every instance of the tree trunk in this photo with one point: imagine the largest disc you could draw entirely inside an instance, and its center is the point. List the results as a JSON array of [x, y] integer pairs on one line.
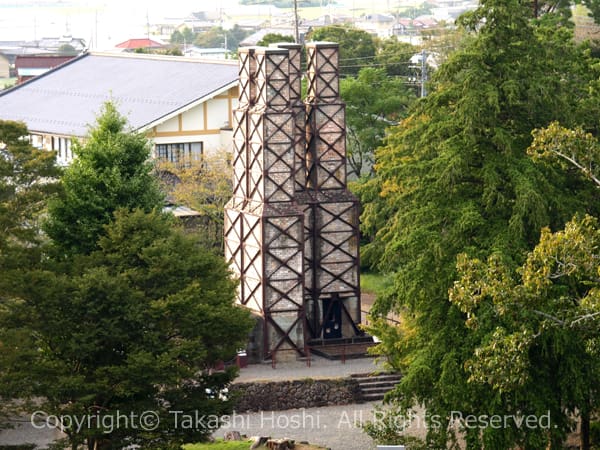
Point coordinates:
[[584, 433]]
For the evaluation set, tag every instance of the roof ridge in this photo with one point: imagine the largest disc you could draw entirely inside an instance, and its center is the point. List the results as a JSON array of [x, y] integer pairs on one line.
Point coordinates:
[[38, 77], [227, 62]]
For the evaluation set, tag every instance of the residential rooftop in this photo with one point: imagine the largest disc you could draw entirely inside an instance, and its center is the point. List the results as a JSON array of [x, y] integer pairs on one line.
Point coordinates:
[[146, 89]]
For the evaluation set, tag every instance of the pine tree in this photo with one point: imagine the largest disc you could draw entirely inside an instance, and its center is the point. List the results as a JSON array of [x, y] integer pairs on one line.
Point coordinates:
[[111, 170], [28, 178]]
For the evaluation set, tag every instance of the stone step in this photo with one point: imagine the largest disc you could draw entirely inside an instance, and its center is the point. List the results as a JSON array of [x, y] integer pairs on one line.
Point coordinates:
[[372, 397], [376, 376], [374, 386], [373, 390], [378, 384]]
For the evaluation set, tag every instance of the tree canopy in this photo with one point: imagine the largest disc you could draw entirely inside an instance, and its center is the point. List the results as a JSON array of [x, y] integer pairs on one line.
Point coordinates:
[[183, 36], [394, 56], [111, 170], [67, 50], [455, 178], [118, 331], [205, 186], [539, 328], [271, 38], [28, 178], [219, 37], [561, 9], [374, 102], [357, 47], [132, 327]]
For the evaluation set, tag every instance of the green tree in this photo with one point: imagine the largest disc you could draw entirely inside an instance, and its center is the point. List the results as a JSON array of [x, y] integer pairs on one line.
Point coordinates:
[[540, 326], [217, 37], [213, 38], [453, 178], [28, 178], [563, 8], [374, 102], [67, 50], [111, 171], [236, 35], [271, 38], [205, 186], [394, 56], [571, 149], [357, 47], [184, 36], [110, 330], [132, 327]]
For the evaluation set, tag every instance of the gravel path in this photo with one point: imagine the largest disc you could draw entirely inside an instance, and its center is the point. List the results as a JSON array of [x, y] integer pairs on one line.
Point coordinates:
[[332, 426]]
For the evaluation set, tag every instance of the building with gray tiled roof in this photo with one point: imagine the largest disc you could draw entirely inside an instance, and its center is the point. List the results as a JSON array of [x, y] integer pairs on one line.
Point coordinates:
[[185, 105]]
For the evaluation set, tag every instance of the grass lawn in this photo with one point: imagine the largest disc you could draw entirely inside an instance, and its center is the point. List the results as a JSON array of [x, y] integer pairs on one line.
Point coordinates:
[[375, 283]]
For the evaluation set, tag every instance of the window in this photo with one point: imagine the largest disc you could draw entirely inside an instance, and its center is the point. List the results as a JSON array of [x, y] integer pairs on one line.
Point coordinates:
[[36, 141], [181, 153], [63, 148]]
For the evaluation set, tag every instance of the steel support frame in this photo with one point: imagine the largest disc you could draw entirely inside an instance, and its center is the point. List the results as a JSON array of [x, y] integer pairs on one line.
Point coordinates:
[[291, 226], [331, 217]]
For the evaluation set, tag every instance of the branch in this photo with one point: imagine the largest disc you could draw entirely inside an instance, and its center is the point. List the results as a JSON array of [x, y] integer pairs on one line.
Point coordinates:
[[585, 317], [579, 166], [562, 322], [548, 316], [562, 269]]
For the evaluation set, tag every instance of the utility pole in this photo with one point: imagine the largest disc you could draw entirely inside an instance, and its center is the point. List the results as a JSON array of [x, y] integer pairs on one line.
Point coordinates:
[[147, 25], [96, 29], [296, 34], [423, 73]]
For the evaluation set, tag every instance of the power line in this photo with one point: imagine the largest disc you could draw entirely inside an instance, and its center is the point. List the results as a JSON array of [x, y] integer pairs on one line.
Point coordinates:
[[403, 63]]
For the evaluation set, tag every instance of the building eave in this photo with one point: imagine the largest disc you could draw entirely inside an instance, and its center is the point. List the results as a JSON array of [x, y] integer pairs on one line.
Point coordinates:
[[187, 107]]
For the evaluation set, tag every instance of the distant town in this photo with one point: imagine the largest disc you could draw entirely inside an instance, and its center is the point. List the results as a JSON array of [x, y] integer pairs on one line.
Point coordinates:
[[215, 32]]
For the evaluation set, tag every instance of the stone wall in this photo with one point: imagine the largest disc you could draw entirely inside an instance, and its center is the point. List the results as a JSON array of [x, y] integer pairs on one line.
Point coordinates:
[[306, 393]]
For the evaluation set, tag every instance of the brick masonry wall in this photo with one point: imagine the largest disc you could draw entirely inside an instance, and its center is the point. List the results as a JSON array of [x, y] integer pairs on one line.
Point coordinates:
[[306, 393]]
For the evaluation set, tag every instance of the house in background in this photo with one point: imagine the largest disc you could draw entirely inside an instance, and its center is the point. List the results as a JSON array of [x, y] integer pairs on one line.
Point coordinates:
[[54, 47], [184, 105], [131, 45], [29, 66], [380, 25], [64, 43], [206, 53], [4, 66]]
